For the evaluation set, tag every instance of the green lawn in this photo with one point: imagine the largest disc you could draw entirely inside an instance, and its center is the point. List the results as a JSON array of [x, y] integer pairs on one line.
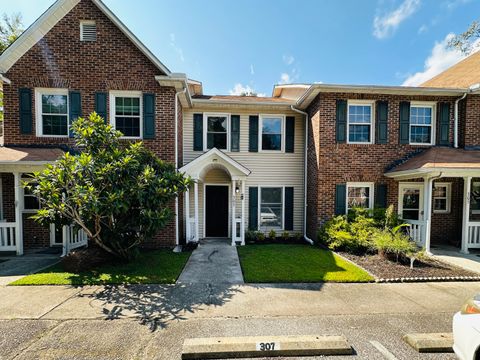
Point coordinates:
[[279, 263], [153, 267]]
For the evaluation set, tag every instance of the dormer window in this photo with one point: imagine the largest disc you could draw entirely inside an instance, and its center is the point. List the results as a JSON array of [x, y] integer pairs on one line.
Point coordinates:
[[88, 30]]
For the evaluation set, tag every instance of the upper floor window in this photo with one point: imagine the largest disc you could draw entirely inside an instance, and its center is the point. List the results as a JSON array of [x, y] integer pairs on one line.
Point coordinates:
[[359, 195], [126, 113], [88, 30], [217, 131], [271, 134], [52, 112], [422, 121], [360, 122]]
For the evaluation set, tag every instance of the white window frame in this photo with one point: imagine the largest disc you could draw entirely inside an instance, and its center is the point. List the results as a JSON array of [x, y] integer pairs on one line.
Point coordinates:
[[260, 188], [260, 127], [423, 104], [411, 185], [38, 110], [87, 22], [371, 198], [28, 211], [205, 129], [370, 103], [448, 197], [117, 93]]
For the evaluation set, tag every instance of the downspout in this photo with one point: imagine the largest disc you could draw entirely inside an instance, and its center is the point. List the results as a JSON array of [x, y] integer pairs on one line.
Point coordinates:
[[305, 176], [455, 126], [178, 248]]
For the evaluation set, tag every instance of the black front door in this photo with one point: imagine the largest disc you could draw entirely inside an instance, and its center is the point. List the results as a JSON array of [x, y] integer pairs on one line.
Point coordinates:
[[216, 211]]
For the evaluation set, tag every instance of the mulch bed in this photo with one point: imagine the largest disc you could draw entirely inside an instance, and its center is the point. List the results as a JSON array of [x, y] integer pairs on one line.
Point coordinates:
[[425, 270]]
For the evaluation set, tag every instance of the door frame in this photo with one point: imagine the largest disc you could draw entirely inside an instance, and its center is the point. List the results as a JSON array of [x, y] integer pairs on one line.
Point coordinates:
[[229, 185], [416, 185]]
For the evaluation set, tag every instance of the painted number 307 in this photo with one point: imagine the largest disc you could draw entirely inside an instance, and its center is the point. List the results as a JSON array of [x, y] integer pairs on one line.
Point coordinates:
[[266, 346]]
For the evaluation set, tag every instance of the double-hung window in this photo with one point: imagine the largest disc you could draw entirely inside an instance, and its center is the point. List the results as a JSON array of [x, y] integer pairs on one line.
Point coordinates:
[[359, 195], [271, 132], [360, 122], [52, 112], [217, 126], [31, 202], [271, 208], [422, 120], [126, 113], [441, 197]]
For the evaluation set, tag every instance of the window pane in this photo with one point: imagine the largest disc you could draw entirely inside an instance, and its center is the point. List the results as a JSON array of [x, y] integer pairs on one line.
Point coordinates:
[[359, 197], [217, 124], [127, 106], [420, 134], [410, 214], [359, 114], [359, 133], [271, 142], [271, 126], [440, 191], [217, 140], [440, 204], [54, 125], [128, 126], [31, 202], [271, 207], [54, 104], [411, 199], [420, 115]]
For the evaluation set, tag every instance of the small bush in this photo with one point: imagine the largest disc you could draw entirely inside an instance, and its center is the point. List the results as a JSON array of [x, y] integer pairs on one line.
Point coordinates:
[[272, 234], [250, 235], [285, 235], [337, 235], [83, 260], [260, 236], [396, 243]]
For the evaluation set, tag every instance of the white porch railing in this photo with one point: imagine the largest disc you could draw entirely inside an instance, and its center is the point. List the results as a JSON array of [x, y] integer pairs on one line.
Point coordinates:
[[7, 236], [73, 238], [416, 231], [238, 229], [191, 236], [473, 234]]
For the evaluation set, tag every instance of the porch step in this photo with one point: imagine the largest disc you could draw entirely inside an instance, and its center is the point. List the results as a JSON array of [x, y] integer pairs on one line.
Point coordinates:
[[264, 346]]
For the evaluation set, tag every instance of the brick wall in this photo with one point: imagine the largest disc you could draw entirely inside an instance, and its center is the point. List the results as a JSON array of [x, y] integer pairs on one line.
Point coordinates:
[[331, 163], [471, 128], [61, 60]]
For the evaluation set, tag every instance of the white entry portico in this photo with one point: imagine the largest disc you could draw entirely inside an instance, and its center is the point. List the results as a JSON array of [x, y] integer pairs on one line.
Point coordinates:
[[234, 178]]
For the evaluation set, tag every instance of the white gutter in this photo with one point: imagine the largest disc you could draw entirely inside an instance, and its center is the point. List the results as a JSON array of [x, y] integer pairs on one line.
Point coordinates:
[[177, 240], [455, 127], [305, 177]]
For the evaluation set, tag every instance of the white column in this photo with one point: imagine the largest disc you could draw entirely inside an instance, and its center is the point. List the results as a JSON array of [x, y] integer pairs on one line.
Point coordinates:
[[242, 227], [234, 205], [187, 216], [427, 211], [18, 213], [197, 237], [466, 213]]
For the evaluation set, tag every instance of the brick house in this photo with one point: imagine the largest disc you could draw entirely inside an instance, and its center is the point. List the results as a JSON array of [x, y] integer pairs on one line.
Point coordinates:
[[286, 162]]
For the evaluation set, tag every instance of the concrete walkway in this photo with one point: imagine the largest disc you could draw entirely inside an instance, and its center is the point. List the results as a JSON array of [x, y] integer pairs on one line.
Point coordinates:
[[213, 262], [452, 256], [16, 267]]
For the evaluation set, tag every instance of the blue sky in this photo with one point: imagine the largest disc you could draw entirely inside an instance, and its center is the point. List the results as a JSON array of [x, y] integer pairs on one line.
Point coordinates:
[[250, 44]]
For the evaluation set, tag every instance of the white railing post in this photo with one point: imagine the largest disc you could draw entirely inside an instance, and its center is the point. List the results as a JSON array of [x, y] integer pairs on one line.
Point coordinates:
[[428, 184], [466, 214], [196, 209], [18, 213], [188, 234], [234, 205], [242, 225]]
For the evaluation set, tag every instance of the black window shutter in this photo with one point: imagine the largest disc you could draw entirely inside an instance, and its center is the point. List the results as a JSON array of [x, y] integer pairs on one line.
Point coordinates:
[[253, 208], [288, 208], [381, 196], [26, 115], [198, 132], [75, 99], [340, 199], [289, 134], [444, 123], [382, 122], [253, 133], [101, 105], [235, 133], [404, 133], [149, 116], [341, 126]]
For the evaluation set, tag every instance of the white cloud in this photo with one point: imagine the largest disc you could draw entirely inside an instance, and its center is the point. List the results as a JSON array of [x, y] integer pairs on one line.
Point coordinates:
[[285, 78], [439, 59], [422, 29], [387, 24], [452, 4], [177, 49], [252, 70], [240, 89], [288, 59]]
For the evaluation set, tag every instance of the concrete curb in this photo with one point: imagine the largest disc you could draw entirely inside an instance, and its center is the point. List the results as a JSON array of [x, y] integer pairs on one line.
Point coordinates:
[[428, 279], [264, 346], [430, 343]]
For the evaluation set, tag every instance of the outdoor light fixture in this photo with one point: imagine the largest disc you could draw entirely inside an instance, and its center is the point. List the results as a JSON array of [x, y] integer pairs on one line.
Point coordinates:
[[237, 190]]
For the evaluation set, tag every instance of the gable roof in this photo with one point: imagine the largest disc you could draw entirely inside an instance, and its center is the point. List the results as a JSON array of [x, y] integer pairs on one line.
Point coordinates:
[[462, 75], [50, 18]]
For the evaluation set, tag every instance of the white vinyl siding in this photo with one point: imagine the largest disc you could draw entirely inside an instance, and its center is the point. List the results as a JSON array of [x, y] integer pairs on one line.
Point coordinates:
[[268, 168]]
